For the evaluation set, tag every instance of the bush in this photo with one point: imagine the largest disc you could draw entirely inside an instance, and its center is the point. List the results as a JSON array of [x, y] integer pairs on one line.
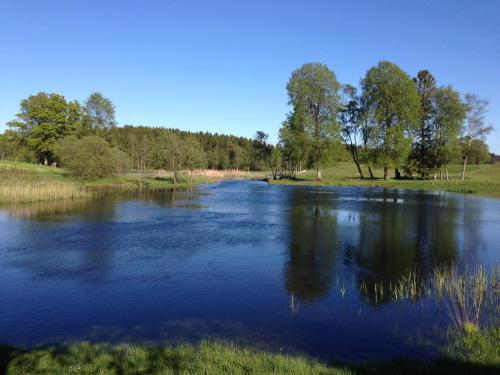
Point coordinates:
[[91, 158]]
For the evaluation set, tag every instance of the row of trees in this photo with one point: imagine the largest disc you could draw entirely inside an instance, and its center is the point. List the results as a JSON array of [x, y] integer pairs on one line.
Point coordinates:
[[394, 122], [51, 130]]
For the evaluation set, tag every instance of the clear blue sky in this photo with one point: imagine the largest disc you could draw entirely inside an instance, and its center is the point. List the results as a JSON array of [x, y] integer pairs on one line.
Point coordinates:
[[222, 66]]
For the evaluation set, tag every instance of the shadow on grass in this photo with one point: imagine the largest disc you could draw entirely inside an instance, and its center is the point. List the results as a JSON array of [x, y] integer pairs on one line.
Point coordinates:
[[7, 354], [438, 367]]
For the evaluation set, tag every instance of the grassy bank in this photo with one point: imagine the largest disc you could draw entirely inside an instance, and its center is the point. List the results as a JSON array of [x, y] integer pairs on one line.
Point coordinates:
[[480, 179], [468, 354], [24, 182]]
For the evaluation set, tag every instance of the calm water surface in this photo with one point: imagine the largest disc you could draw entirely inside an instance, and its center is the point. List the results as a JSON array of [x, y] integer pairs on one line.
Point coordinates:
[[279, 267]]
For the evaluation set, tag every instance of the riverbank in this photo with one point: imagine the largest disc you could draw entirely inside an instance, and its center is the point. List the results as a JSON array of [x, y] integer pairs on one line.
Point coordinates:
[[24, 182], [480, 179], [470, 353]]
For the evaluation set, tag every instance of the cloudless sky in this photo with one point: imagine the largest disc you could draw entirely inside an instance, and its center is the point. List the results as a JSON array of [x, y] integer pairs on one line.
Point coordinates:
[[222, 66]]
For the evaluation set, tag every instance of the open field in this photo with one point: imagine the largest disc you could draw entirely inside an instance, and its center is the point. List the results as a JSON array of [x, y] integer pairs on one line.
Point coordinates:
[[479, 179], [468, 353]]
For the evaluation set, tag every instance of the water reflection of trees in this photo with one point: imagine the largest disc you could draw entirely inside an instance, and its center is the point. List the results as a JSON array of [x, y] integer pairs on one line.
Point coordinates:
[[312, 249], [378, 238]]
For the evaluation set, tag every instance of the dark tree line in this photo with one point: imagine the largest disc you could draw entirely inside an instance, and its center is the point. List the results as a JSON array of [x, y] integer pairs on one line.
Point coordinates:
[[51, 130]]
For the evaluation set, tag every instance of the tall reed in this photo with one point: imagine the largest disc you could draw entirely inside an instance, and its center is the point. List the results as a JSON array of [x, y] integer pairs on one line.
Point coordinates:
[[40, 191]]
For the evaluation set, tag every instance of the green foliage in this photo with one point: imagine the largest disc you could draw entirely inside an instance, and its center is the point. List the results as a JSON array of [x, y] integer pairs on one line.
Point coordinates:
[[393, 107], [479, 152], [313, 92], [43, 120], [424, 135], [449, 114], [475, 346], [91, 158]]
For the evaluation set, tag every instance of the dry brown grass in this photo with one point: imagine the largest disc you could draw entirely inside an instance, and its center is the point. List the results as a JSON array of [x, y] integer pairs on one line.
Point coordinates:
[[215, 174], [40, 191]]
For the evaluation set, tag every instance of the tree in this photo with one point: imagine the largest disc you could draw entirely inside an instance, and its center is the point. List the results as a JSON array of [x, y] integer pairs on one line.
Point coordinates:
[[99, 112], [479, 152], [43, 120], [169, 153], [447, 121], [294, 142], [392, 104], [193, 155], [475, 127], [426, 87], [350, 117], [262, 150], [313, 94], [91, 157], [276, 161]]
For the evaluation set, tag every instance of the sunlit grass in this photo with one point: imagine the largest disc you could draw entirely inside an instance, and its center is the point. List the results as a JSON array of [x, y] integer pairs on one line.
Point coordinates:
[[207, 358], [40, 191], [480, 179]]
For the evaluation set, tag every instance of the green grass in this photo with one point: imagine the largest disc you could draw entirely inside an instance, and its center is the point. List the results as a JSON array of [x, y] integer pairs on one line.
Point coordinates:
[[468, 354], [24, 182], [479, 179]]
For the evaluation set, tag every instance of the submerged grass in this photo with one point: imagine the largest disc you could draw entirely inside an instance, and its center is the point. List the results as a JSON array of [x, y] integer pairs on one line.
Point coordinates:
[[466, 295]]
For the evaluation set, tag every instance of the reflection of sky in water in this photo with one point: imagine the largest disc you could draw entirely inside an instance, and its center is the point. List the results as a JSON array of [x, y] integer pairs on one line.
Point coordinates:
[[224, 260]]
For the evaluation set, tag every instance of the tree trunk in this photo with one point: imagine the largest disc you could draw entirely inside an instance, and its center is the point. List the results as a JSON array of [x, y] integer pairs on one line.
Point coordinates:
[[355, 158], [463, 170], [318, 174], [370, 172], [465, 159], [359, 169], [446, 172], [385, 172], [397, 174]]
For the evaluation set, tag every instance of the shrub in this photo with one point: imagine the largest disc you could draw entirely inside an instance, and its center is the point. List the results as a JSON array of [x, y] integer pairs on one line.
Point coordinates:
[[91, 158]]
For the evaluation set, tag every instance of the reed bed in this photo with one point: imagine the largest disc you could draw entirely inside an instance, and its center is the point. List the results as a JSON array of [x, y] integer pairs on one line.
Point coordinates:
[[40, 191], [467, 295]]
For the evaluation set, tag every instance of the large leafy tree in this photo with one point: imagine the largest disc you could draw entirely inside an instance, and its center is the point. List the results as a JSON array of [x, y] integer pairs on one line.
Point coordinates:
[[43, 120], [99, 112], [392, 104], [426, 87], [447, 121], [313, 92]]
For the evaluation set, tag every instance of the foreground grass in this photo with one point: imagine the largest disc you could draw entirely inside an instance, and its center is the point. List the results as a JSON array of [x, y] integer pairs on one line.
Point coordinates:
[[480, 179], [469, 354]]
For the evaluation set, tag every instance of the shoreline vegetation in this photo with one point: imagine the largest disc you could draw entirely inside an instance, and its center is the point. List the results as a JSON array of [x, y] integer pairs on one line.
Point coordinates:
[[470, 344], [466, 353], [483, 180], [25, 182]]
